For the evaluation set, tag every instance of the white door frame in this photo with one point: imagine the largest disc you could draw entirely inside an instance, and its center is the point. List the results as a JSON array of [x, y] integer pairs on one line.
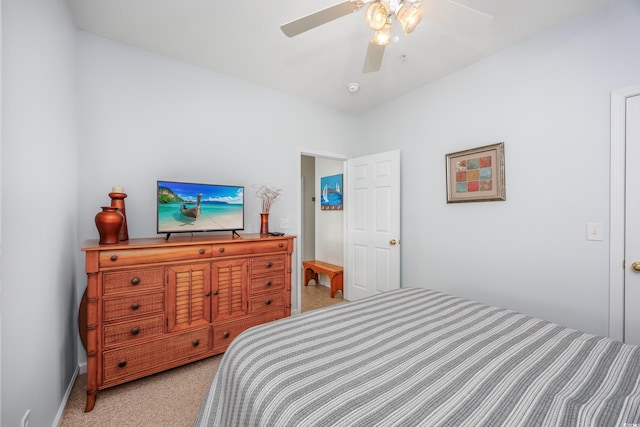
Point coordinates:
[[617, 210], [300, 237]]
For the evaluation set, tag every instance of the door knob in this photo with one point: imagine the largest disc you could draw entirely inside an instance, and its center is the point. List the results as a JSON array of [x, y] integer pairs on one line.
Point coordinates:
[[393, 242], [636, 266]]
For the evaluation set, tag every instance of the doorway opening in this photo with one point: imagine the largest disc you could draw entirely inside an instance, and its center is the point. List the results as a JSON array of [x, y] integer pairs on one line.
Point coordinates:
[[321, 235]]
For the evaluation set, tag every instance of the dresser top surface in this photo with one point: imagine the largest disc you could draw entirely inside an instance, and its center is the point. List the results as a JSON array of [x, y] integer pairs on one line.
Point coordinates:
[[182, 240]]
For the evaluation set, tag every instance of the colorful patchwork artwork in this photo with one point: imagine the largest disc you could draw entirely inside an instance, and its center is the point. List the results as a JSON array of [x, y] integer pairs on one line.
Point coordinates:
[[474, 175]]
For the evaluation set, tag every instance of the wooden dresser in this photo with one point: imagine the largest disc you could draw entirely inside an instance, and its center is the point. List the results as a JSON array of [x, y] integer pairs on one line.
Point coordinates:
[[154, 304]]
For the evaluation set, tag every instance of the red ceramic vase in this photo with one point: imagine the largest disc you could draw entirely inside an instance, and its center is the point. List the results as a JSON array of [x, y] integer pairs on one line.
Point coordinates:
[[109, 223]]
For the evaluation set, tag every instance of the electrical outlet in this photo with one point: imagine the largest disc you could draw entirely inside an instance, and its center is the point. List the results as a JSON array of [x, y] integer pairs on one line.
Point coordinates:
[[284, 223], [26, 422]]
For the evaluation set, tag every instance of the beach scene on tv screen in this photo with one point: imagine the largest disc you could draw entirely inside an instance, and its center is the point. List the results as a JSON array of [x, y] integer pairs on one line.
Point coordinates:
[[184, 207]]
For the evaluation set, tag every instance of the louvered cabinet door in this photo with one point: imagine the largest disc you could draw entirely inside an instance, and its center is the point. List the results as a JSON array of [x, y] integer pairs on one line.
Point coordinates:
[[188, 296], [230, 289]]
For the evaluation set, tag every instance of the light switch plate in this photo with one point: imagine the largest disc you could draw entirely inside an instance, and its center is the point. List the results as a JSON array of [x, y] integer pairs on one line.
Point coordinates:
[[594, 231]]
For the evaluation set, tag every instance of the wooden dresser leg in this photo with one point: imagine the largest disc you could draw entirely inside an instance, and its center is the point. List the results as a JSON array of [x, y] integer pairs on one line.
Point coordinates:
[[91, 401]]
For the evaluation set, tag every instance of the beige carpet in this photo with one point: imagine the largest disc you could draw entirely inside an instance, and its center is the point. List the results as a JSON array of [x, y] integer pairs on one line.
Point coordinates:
[[170, 398]]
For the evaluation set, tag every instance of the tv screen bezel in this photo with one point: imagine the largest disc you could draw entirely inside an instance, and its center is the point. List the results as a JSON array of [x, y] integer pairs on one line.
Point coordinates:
[[203, 229]]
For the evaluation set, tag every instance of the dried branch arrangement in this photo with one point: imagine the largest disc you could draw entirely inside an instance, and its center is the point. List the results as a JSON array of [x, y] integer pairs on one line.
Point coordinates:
[[268, 195]]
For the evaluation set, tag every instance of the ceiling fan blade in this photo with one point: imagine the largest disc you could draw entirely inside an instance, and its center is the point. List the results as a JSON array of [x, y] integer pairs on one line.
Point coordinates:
[[373, 60], [320, 17], [456, 16]]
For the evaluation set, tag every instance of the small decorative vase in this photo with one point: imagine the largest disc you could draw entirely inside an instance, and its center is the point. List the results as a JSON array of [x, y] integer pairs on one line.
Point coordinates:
[[109, 223], [117, 200], [264, 224]]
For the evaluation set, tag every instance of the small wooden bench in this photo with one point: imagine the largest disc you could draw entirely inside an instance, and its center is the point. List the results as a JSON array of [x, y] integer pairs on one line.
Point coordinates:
[[315, 267]]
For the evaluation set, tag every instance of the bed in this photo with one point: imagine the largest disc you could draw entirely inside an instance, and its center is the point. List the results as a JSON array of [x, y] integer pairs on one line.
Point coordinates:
[[421, 357]]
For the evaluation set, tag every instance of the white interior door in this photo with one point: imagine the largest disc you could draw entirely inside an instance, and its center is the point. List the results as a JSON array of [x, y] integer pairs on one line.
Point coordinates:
[[632, 223], [373, 225]]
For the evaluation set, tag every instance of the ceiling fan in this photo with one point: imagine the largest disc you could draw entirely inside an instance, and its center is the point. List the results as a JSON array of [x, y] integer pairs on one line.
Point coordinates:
[[380, 15]]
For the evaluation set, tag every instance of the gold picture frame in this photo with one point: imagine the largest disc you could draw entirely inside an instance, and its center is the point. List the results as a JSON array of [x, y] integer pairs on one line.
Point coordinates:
[[476, 175]]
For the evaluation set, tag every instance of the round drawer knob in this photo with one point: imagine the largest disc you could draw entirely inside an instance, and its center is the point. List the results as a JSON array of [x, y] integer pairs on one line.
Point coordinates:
[[269, 265], [268, 283], [135, 331], [208, 294], [196, 343], [221, 249], [268, 302], [114, 257], [225, 335], [135, 281], [280, 244], [135, 306], [201, 251], [122, 363], [215, 292]]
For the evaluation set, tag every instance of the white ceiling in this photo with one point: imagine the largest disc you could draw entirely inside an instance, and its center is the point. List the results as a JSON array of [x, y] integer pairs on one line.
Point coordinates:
[[243, 39]]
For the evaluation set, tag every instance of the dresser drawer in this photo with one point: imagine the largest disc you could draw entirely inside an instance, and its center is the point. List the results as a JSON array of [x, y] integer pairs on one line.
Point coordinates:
[[272, 315], [250, 248], [117, 258], [128, 361], [126, 332], [133, 305], [267, 264], [266, 283], [132, 280], [224, 333], [264, 302]]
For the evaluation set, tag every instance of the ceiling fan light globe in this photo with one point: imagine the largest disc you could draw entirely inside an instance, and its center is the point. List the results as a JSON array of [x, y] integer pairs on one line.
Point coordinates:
[[409, 16], [382, 37], [377, 15]]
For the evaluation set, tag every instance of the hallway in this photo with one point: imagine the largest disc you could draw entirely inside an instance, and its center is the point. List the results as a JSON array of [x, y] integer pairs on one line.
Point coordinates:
[[316, 296]]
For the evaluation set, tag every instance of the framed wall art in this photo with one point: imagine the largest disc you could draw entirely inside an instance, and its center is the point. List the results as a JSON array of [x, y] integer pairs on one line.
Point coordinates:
[[331, 192], [476, 175]]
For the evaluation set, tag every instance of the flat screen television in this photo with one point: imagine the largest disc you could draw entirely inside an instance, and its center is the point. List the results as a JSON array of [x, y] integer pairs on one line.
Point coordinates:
[[186, 207]]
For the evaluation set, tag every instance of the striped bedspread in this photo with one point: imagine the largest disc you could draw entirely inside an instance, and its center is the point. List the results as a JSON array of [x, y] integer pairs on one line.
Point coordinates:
[[417, 357]]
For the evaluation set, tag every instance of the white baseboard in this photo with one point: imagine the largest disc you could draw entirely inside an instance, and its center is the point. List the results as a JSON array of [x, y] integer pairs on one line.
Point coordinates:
[[58, 418]]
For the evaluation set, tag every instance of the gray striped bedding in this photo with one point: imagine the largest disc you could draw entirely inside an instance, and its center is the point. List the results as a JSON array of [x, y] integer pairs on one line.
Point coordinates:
[[418, 357]]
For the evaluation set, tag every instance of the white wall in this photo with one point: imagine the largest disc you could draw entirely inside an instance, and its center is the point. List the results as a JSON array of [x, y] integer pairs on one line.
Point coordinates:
[[548, 100], [329, 223], [39, 202], [145, 117]]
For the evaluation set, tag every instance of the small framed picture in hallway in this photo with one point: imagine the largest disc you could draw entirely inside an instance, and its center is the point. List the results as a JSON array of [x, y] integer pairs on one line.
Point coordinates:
[[331, 192]]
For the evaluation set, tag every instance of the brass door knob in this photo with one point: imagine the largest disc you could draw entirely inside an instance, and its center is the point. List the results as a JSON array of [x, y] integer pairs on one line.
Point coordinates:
[[393, 242], [636, 266]]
